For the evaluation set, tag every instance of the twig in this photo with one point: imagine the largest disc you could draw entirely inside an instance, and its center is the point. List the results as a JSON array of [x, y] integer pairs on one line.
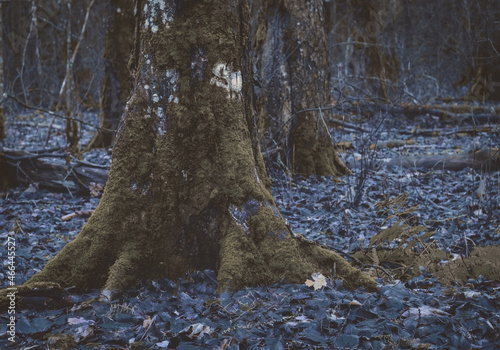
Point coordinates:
[[23, 60], [348, 125], [52, 113], [92, 165], [68, 217]]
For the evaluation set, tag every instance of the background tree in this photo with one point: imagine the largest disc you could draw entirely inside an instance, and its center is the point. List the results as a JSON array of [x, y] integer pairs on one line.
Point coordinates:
[[116, 83], [188, 188], [292, 70], [2, 79], [480, 46], [22, 69], [362, 42]]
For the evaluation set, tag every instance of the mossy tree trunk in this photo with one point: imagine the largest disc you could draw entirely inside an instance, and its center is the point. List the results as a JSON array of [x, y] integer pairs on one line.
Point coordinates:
[[187, 188], [117, 81], [292, 69]]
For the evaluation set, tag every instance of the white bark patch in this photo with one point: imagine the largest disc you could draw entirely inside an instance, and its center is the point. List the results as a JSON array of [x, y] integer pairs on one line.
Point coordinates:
[[156, 11], [172, 77], [256, 175], [161, 127], [230, 80]]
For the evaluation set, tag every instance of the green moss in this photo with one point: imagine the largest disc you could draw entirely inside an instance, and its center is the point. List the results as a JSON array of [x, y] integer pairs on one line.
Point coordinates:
[[39, 289], [269, 254], [265, 223], [261, 34], [200, 27], [60, 341], [168, 211], [313, 152], [483, 261]]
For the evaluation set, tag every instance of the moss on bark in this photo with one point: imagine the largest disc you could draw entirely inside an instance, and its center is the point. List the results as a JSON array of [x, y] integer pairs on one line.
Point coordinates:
[[293, 69], [186, 189]]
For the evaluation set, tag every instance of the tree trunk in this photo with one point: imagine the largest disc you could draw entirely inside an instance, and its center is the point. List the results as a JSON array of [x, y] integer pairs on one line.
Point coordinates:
[[21, 44], [477, 27], [2, 79], [292, 69], [187, 188], [117, 81], [358, 27]]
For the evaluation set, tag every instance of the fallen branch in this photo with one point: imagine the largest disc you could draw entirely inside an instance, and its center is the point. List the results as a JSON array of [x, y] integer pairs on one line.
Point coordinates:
[[447, 132], [80, 213], [55, 174], [346, 125], [487, 160]]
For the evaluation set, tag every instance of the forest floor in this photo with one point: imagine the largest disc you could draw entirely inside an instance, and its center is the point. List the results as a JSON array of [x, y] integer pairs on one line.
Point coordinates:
[[453, 211]]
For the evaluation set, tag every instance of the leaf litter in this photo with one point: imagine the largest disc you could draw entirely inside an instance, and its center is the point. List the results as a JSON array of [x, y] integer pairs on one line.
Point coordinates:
[[188, 313]]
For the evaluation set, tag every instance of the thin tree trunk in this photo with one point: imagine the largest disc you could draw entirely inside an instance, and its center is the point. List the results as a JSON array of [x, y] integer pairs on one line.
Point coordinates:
[[187, 188], [67, 90], [117, 80], [2, 79]]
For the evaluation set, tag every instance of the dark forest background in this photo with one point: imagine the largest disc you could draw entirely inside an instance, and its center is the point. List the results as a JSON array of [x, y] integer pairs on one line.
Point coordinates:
[[388, 52]]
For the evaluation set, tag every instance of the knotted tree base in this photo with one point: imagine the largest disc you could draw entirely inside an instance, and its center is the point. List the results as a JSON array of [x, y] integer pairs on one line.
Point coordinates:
[[187, 188]]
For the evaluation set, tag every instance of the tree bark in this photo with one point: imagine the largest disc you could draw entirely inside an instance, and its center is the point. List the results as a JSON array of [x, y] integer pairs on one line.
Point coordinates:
[[117, 81], [21, 46], [479, 27], [187, 188], [357, 53], [292, 70], [2, 80]]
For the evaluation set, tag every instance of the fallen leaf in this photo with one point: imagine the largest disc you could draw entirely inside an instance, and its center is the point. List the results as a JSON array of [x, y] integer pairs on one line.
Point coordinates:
[[163, 344], [147, 322], [318, 281], [77, 320], [424, 311], [354, 302], [84, 332], [197, 330]]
